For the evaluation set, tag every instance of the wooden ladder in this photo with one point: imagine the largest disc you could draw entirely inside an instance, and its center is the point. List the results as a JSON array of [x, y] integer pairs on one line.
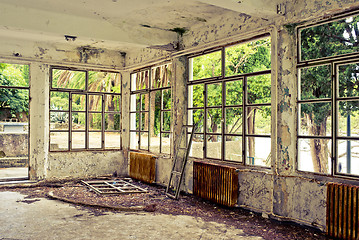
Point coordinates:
[[179, 162]]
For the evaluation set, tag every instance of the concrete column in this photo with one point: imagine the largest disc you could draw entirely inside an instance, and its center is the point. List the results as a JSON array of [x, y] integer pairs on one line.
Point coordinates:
[[126, 117], [39, 120]]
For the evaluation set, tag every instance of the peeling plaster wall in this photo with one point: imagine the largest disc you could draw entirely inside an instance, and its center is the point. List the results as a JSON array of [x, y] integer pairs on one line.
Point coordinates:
[[86, 164]]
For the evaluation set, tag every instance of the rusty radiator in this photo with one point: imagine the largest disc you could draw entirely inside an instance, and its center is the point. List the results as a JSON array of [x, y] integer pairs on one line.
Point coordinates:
[[142, 167], [342, 211], [215, 183]]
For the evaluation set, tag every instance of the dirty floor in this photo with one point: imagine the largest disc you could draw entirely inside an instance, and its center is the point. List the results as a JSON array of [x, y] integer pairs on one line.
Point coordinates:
[[30, 213]]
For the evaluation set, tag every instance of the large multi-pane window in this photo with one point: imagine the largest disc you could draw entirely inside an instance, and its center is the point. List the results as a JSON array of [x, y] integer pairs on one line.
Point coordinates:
[[150, 111], [229, 100], [328, 97], [85, 110]]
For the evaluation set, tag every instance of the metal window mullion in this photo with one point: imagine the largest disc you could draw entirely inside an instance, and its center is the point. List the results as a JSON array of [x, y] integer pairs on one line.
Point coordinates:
[[205, 121], [334, 119], [86, 119], [161, 117], [70, 121], [103, 121], [223, 116], [244, 121]]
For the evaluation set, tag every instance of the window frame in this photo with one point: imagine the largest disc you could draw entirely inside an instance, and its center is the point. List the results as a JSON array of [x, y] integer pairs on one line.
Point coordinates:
[[151, 92], [223, 79], [87, 111], [334, 62]]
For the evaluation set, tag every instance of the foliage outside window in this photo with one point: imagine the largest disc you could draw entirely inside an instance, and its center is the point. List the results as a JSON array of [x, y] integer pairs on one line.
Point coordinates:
[[150, 112], [85, 110], [231, 106], [328, 98]]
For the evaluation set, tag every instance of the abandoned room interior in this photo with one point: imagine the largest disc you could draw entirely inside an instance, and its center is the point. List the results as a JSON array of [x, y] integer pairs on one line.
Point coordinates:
[[271, 86]]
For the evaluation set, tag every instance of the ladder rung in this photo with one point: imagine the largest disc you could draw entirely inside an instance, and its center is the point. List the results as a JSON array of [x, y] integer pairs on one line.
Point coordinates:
[[183, 148], [187, 125], [171, 195], [175, 172]]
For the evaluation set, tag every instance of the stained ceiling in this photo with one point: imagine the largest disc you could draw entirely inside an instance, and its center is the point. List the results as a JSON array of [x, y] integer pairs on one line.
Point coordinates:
[[117, 24]]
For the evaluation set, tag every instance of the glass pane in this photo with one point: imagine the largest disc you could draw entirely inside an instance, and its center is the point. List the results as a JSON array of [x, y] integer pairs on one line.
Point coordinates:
[[145, 102], [315, 119], [166, 99], [144, 121], [59, 141], [214, 120], [258, 151], [314, 155], [95, 140], [113, 103], [166, 143], [206, 66], [259, 89], [59, 101], [214, 94], [104, 82], [349, 80], [112, 121], [78, 102], [95, 121], [196, 96], [234, 93], [134, 121], [348, 118], [134, 140], [315, 82], [68, 79], [259, 120], [329, 39], [166, 121], [196, 117], [144, 141], [78, 121], [14, 75], [95, 103], [197, 146], [233, 148], [348, 156], [140, 80], [234, 120], [59, 121], [248, 57], [78, 140], [214, 146], [161, 76], [112, 140]]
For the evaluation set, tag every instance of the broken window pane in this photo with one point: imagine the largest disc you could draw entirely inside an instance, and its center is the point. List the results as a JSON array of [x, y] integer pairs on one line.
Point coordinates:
[[214, 120], [233, 147], [68, 79], [248, 57], [14, 75], [259, 89], [314, 155], [104, 82], [259, 120], [112, 140], [234, 120], [348, 156], [95, 103], [349, 80], [315, 119], [206, 66], [166, 99], [95, 139], [214, 94], [59, 101], [78, 140], [234, 93], [315, 82], [258, 151], [329, 39], [214, 146], [59, 141], [78, 121]]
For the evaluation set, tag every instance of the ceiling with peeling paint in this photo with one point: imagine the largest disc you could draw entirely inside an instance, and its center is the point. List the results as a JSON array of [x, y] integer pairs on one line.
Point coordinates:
[[117, 24]]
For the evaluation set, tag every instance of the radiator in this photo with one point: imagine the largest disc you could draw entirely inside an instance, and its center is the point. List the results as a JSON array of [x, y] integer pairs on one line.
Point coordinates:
[[215, 183], [142, 167], [342, 211]]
